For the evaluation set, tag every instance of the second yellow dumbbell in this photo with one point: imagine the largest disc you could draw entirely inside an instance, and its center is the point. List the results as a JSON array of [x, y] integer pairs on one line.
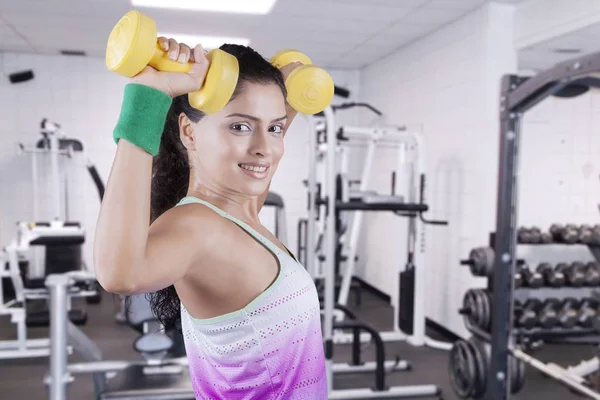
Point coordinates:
[[310, 88]]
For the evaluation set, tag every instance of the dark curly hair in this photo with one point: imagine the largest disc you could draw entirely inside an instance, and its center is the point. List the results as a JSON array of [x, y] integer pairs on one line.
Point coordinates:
[[171, 167]]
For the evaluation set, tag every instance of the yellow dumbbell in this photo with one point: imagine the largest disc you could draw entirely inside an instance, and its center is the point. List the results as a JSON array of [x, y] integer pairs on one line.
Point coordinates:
[[133, 44], [310, 88]]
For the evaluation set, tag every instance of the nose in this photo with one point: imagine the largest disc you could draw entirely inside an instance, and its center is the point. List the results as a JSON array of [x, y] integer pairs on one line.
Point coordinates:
[[260, 144]]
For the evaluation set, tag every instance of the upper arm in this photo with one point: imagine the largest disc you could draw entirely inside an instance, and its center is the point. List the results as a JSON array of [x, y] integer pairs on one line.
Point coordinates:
[[177, 240]]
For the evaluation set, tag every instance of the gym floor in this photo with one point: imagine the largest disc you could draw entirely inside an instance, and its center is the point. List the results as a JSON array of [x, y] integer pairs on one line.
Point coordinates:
[[22, 379]]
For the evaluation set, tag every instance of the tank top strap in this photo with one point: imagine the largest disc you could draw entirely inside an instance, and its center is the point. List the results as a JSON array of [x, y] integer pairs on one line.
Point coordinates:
[[261, 238]]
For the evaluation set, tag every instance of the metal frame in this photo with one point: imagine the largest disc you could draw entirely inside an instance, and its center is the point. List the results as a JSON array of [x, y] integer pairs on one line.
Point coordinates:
[[329, 300], [403, 141], [517, 96], [21, 347]]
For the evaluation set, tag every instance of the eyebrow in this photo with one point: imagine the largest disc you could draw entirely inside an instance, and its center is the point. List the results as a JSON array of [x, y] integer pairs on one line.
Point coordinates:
[[254, 118]]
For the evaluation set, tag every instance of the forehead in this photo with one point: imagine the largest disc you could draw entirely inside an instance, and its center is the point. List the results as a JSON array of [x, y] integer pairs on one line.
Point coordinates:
[[260, 100]]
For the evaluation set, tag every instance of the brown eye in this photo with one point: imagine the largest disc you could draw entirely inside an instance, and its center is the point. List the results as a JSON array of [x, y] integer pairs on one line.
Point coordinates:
[[276, 129], [241, 127]]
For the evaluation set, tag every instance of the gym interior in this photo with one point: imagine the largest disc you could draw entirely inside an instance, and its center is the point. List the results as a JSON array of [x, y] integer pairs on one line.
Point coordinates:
[[446, 201]]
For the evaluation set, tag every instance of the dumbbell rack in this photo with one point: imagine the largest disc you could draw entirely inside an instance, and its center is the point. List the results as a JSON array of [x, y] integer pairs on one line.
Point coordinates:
[[470, 359], [557, 334]]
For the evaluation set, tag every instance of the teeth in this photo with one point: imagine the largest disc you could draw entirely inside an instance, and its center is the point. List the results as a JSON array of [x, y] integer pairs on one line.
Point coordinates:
[[254, 169]]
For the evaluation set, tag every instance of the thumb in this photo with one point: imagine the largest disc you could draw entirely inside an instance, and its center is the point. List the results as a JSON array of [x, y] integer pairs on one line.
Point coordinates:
[[200, 65]]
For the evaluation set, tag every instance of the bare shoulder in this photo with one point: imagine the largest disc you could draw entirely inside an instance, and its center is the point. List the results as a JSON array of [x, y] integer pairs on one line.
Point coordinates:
[[190, 222]]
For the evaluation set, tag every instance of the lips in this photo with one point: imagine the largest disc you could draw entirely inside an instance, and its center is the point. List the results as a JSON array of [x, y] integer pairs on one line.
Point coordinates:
[[257, 171]]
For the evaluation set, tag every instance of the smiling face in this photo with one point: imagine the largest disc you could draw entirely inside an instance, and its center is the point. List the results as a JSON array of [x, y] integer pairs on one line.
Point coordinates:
[[237, 150]]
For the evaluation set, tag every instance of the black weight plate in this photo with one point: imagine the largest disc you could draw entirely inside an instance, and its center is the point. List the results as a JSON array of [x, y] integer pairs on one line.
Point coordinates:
[[518, 380], [470, 306], [486, 318], [480, 353], [462, 369]]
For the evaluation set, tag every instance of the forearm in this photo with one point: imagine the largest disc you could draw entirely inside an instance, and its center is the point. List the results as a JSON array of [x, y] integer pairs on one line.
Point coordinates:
[[123, 222]]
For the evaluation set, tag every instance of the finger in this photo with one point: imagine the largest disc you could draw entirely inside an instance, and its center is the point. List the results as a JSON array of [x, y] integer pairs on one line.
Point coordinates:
[[173, 49], [164, 43], [184, 53], [199, 53]]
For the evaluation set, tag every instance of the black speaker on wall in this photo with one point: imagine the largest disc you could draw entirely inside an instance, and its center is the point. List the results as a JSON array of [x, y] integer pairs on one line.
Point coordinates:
[[21, 76]]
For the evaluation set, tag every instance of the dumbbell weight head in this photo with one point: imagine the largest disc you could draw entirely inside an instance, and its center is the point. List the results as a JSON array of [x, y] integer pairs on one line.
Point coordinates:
[[592, 274], [570, 234], [587, 313], [552, 277], [132, 45], [518, 279], [524, 235], [568, 313], [545, 237], [574, 273], [532, 279], [310, 88], [535, 234], [525, 314], [556, 229], [547, 314], [586, 236]]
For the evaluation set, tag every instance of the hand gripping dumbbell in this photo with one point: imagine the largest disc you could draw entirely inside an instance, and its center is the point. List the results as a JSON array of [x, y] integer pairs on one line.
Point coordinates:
[[592, 274], [574, 273], [525, 314], [551, 277], [532, 279], [133, 45], [587, 313], [566, 311], [310, 88]]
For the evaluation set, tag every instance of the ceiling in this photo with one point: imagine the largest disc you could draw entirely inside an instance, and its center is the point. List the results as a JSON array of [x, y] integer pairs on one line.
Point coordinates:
[[344, 34], [545, 54]]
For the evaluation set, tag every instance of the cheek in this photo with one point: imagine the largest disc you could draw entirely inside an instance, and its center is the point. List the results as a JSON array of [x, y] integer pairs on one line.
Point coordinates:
[[278, 150]]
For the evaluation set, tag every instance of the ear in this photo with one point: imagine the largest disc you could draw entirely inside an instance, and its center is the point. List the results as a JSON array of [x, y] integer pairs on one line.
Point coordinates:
[[186, 132]]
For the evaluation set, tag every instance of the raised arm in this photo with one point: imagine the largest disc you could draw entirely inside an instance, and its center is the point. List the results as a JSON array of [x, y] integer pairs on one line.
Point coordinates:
[[129, 255]]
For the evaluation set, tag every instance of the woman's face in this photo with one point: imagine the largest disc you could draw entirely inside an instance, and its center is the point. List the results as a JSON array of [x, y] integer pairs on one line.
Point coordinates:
[[237, 150]]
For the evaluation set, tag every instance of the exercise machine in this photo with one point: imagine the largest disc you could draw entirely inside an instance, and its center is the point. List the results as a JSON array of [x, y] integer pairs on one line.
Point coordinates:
[[23, 268], [275, 201], [408, 295], [155, 376], [381, 390], [13, 262]]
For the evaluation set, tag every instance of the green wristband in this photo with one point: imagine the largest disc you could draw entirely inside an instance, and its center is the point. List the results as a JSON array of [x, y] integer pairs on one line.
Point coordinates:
[[143, 115]]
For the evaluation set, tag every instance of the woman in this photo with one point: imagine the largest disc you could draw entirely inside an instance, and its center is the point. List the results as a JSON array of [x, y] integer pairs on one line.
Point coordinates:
[[249, 311]]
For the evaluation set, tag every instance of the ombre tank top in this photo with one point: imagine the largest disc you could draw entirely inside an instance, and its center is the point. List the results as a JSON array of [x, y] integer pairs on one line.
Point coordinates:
[[270, 349]]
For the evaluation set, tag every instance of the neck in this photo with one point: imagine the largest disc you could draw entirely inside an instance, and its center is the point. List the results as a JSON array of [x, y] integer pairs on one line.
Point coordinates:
[[240, 206]]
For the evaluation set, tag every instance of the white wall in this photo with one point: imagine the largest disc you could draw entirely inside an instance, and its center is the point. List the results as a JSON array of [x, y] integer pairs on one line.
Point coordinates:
[[447, 84], [560, 172], [81, 95]]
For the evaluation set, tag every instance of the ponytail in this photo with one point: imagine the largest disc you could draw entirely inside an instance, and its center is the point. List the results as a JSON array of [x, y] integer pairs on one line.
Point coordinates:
[[170, 180]]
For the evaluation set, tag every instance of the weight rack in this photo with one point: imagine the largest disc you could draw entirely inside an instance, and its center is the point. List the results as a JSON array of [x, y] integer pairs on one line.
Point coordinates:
[[517, 95]]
